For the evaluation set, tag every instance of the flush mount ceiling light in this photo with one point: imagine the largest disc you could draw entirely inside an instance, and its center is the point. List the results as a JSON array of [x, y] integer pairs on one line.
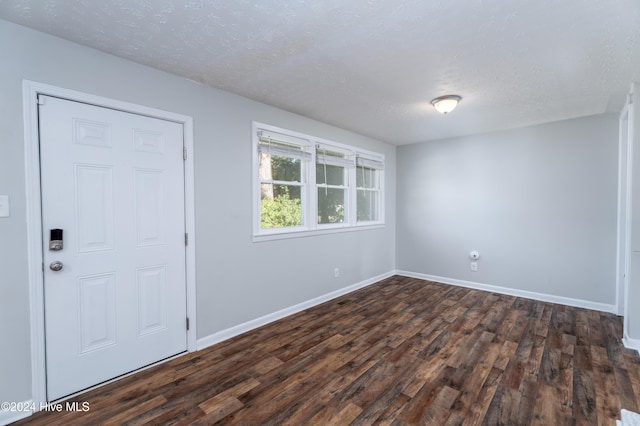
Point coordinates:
[[446, 104]]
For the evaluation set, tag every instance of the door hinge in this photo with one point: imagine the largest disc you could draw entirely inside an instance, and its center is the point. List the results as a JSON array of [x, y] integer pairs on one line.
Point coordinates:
[[184, 153], [187, 323], [40, 100], [186, 239]]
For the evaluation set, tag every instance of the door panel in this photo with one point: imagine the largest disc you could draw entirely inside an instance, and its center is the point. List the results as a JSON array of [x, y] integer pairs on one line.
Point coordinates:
[[114, 182], [97, 311], [150, 207], [94, 207], [152, 299]]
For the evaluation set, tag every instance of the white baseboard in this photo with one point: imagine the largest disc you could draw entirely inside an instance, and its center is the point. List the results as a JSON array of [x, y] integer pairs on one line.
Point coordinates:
[[630, 343], [579, 303], [20, 411], [628, 418], [228, 333]]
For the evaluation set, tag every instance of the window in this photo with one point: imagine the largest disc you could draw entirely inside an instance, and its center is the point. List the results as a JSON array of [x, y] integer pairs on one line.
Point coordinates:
[[332, 182], [281, 162], [309, 185], [368, 174]]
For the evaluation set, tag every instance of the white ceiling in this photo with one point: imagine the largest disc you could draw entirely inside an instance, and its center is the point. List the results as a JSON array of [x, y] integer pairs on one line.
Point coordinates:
[[373, 66]]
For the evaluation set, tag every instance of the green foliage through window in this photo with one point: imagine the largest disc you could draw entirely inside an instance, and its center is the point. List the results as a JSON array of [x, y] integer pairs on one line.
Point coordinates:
[[280, 211]]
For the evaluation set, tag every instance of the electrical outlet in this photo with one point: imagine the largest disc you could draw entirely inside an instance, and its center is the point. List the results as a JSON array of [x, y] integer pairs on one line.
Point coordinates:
[[474, 266], [336, 273]]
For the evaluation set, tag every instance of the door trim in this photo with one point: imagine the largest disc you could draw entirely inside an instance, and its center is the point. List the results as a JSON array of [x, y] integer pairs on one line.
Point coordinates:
[[631, 113], [30, 92], [624, 200]]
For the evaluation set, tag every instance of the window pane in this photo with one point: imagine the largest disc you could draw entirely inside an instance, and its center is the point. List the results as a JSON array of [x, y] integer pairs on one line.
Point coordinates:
[[281, 206], [366, 178], [367, 205], [331, 205], [330, 175], [285, 168], [276, 167]]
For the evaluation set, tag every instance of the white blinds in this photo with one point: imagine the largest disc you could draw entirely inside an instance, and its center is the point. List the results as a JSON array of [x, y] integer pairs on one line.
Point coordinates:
[[294, 147], [369, 163], [284, 145], [332, 158]]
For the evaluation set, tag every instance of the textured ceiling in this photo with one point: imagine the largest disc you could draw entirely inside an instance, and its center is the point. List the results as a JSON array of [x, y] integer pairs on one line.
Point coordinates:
[[373, 66]]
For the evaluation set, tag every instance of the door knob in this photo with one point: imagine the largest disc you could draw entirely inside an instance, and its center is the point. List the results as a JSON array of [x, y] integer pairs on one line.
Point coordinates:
[[56, 266]]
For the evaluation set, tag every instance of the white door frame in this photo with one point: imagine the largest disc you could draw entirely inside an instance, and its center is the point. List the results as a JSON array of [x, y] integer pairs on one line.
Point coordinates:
[[627, 117], [30, 92], [624, 210]]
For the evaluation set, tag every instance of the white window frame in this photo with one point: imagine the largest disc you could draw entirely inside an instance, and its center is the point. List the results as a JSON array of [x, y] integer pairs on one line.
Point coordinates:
[[349, 201], [375, 163], [307, 147], [309, 194]]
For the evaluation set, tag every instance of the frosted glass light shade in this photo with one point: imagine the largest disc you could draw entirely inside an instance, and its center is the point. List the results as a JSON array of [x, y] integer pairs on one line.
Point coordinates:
[[446, 104]]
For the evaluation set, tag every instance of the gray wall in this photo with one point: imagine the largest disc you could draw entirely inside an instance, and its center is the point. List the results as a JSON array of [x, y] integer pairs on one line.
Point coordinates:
[[538, 203], [237, 280]]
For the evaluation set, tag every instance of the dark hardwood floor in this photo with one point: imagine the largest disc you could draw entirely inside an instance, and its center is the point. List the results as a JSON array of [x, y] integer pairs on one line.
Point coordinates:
[[402, 351]]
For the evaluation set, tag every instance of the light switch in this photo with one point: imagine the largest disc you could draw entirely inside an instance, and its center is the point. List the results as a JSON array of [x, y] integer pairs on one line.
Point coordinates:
[[4, 206]]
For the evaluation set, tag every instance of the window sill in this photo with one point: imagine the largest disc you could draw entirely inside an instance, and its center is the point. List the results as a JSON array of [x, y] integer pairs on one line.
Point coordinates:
[[309, 233]]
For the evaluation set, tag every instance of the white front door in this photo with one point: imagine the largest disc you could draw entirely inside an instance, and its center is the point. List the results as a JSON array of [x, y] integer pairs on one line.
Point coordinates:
[[113, 182]]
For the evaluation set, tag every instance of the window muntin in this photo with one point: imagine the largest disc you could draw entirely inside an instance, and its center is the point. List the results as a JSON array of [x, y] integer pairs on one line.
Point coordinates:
[[306, 184]]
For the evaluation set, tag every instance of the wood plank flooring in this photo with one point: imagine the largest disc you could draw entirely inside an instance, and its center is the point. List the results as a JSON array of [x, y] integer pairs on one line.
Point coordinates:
[[400, 352]]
